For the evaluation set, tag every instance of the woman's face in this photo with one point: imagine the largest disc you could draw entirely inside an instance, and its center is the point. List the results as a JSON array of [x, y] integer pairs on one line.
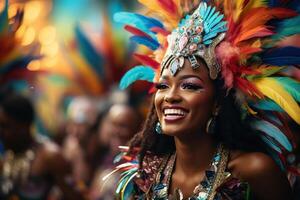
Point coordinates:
[[184, 103]]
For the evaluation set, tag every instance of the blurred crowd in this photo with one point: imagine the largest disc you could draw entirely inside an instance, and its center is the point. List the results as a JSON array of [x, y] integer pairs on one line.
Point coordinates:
[[71, 164]]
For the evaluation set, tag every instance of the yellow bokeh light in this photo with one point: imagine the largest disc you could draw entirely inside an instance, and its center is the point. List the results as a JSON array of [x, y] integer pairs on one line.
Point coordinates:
[[47, 35], [28, 36], [34, 65], [49, 62], [32, 11], [50, 50], [12, 10]]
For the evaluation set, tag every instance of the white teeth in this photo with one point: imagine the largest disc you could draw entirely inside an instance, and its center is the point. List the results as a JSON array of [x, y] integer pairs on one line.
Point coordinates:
[[168, 111]]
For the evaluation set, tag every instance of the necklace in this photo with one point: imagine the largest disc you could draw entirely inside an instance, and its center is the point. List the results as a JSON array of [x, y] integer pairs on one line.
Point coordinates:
[[205, 190], [16, 169]]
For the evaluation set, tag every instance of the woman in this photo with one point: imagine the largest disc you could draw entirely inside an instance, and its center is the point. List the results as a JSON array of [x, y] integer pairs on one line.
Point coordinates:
[[218, 109]]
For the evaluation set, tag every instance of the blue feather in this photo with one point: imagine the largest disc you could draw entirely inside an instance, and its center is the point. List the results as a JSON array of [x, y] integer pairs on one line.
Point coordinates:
[[139, 21], [93, 58], [272, 131], [287, 27], [137, 73], [4, 18], [292, 86], [282, 56], [148, 42], [271, 143], [267, 104]]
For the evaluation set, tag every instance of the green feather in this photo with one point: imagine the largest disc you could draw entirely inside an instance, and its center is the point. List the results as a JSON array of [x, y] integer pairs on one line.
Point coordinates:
[[292, 86], [4, 18], [287, 28]]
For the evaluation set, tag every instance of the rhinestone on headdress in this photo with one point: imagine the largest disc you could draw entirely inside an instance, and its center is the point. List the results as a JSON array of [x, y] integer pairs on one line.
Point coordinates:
[[196, 36]]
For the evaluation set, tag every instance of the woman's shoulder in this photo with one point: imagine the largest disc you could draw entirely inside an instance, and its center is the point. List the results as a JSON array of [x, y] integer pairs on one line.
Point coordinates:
[[248, 164], [264, 176]]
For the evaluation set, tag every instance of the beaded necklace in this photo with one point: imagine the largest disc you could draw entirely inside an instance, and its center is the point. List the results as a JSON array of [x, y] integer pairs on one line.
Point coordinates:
[[205, 190]]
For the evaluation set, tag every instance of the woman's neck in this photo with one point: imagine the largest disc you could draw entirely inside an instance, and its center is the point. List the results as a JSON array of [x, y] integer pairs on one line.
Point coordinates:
[[194, 154]]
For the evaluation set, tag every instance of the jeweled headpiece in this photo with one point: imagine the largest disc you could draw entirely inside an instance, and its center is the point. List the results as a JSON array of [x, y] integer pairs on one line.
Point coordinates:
[[196, 36], [246, 45]]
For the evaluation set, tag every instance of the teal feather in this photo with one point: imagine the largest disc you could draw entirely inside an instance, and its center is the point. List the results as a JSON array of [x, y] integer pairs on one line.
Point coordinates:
[[139, 21], [277, 159], [273, 132], [287, 28], [269, 142], [267, 104], [124, 179], [4, 18], [137, 73], [216, 21], [207, 11], [291, 86]]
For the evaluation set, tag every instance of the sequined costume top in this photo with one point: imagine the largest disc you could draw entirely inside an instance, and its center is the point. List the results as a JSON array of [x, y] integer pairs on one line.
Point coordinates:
[[152, 181]]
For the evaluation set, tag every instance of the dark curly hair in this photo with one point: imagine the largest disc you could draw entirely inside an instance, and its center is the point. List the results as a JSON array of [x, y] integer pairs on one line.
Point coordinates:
[[233, 131]]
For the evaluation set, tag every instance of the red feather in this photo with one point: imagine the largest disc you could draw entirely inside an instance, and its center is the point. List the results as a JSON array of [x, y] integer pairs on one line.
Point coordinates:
[[160, 30], [169, 6], [136, 31], [146, 60]]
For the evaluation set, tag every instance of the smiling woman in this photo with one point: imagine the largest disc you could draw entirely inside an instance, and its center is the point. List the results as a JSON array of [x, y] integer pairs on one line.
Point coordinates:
[[217, 125]]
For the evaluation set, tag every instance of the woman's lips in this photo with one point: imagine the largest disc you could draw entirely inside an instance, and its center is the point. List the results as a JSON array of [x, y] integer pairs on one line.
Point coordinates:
[[173, 114], [173, 118]]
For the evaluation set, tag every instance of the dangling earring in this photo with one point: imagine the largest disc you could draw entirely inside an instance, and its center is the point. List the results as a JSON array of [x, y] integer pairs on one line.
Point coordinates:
[[211, 124], [158, 129]]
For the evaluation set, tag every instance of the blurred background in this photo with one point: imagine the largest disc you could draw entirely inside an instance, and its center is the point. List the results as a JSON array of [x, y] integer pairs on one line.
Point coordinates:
[[60, 62]]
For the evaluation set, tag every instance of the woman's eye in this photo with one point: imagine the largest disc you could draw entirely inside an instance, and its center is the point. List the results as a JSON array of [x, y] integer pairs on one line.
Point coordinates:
[[161, 86], [190, 86]]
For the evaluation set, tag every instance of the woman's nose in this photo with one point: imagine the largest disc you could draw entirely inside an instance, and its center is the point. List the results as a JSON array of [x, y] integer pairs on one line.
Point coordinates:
[[172, 96]]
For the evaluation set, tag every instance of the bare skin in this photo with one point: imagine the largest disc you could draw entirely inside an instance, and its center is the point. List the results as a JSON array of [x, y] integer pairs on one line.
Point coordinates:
[[192, 92]]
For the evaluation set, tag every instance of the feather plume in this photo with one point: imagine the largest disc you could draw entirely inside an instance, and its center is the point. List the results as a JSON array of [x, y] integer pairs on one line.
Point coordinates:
[[146, 60], [137, 73], [291, 86], [146, 41], [268, 105], [139, 21], [270, 88], [136, 31], [4, 18], [93, 58], [273, 132], [282, 56]]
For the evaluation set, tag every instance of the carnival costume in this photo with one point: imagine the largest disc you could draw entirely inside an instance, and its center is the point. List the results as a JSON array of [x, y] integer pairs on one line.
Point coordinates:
[[240, 42]]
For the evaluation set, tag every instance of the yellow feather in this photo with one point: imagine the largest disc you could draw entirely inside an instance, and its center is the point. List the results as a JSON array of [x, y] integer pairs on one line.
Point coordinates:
[[254, 4], [238, 9], [273, 90], [153, 6]]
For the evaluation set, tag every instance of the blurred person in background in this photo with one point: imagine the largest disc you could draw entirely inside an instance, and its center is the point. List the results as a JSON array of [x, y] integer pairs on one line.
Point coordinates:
[[117, 127], [29, 168], [82, 114]]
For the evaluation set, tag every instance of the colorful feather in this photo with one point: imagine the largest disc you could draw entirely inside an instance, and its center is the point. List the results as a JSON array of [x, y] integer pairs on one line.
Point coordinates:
[[273, 132], [93, 58], [139, 21], [291, 86], [137, 73], [282, 56], [146, 60], [136, 31], [268, 105], [4, 18], [270, 88], [146, 41]]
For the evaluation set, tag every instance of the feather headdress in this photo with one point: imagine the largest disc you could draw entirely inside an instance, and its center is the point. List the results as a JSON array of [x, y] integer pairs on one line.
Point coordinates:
[[13, 61], [247, 53]]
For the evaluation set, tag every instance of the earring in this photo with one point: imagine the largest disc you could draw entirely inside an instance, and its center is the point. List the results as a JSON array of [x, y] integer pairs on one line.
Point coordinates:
[[158, 129]]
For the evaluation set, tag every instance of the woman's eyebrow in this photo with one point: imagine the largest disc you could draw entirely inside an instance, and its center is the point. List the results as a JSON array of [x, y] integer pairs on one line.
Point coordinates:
[[189, 76]]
